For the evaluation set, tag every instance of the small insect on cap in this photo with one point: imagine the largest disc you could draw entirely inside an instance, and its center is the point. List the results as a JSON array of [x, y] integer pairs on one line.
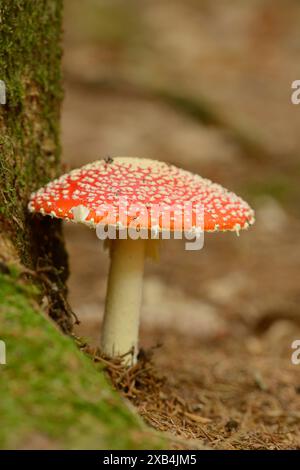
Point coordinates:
[[94, 194]]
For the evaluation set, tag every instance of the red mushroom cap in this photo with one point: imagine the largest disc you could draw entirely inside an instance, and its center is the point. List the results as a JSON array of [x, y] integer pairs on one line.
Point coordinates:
[[93, 195]]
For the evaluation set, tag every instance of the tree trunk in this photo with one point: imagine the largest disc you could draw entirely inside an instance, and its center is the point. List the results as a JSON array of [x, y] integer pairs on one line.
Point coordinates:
[[30, 67]]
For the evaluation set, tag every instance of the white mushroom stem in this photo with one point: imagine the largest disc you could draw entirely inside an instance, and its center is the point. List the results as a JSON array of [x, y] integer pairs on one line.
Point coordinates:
[[123, 299]]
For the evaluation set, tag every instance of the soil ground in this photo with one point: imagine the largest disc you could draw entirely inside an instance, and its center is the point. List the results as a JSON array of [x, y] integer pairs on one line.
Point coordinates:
[[225, 317]]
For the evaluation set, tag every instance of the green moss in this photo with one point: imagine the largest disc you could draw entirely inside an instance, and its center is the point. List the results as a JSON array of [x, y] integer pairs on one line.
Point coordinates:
[[30, 55], [30, 66], [49, 388]]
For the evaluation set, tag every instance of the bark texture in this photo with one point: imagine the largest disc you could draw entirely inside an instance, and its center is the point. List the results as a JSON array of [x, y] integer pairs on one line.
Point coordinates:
[[30, 66]]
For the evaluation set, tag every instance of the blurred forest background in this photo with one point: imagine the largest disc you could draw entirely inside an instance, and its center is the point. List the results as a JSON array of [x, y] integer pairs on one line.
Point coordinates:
[[205, 85]]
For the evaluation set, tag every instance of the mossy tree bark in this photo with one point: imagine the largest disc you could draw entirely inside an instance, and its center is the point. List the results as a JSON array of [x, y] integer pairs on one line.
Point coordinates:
[[30, 67]]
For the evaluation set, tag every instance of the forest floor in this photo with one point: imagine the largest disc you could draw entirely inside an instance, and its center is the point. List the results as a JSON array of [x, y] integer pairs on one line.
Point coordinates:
[[221, 394], [225, 317]]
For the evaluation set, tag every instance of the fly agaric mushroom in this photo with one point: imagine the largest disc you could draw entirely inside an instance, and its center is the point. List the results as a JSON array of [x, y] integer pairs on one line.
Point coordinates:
[[91, 195]]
